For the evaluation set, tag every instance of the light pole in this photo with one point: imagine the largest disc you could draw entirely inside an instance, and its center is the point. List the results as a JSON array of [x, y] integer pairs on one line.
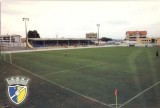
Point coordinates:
[[0, 49], [98, 25], [26, 19]]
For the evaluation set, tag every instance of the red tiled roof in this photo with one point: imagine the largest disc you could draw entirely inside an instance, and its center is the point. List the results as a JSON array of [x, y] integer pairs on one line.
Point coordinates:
[[137, 32]]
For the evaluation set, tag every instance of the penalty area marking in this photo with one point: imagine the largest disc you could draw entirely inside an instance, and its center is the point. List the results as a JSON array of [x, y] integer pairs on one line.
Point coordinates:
[[62, 86]]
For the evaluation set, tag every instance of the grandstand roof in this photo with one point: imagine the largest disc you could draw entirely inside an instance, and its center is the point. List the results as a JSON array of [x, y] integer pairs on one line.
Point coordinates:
[[42, 39]]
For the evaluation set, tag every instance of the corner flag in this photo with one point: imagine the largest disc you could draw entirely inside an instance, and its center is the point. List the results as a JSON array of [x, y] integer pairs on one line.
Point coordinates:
[[116, 92]]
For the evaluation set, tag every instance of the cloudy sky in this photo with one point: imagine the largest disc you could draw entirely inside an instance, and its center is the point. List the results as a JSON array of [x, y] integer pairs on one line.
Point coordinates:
[[73, 19]]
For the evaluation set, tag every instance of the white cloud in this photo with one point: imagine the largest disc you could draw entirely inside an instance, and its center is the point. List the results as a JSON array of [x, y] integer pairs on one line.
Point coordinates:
[[74, 19]]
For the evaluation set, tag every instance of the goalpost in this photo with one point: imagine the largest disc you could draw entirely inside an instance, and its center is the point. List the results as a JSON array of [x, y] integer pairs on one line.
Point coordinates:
[[10, 56], [7, 57]]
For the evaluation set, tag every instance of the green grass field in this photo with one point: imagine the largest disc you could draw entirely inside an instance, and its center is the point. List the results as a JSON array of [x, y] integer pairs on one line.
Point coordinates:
[[97, 72]]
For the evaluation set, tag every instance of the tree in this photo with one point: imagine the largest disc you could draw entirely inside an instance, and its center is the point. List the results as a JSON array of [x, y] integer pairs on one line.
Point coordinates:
[[33, 34], [106, 39]]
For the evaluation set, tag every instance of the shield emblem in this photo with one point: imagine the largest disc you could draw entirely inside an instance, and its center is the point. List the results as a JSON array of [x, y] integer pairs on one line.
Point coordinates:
[[17, 93]]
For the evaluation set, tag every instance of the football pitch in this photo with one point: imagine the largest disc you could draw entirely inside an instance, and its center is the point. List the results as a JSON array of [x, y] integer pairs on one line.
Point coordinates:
[[87, 78]]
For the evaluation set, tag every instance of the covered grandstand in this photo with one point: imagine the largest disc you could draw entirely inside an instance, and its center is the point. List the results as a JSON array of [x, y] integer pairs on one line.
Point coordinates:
[[51, 42]]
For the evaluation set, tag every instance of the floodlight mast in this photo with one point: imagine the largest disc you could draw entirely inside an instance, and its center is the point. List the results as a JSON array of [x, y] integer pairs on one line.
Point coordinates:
[[0, 49], [26, 19], [98, 25]]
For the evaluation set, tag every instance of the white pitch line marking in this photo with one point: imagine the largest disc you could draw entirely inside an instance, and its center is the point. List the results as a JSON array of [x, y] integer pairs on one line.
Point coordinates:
[[139, 94], [63, 86], [74, 69]]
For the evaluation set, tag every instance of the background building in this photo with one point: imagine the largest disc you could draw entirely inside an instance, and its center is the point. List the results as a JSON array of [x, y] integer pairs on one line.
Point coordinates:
[[91, 35], [133, 35], [140, 38], [145, 41], [10, 40]]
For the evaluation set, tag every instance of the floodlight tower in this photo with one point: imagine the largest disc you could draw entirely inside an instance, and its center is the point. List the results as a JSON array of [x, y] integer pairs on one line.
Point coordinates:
[[0, 49], [98, 25], [26, 19]]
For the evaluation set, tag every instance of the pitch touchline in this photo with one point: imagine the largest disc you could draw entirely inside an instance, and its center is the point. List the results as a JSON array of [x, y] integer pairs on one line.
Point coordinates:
[[63, 86], [139, 94], [73, 69], [53, 49]]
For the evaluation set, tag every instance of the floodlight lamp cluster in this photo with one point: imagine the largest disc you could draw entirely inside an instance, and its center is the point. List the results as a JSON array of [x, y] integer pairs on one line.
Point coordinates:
[[98, 25], [25, 19]]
